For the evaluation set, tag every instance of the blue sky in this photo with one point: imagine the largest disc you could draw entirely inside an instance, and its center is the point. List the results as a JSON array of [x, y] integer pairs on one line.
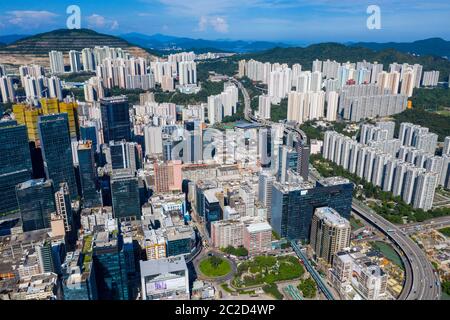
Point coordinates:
[[275, 20]]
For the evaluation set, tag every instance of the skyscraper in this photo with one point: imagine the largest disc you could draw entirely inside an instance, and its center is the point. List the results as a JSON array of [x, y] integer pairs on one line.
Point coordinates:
[[109, 266], [293, 205], [330, 233], [36, 202], [57, 150], [115, 119], [15, 163], [88, 175], [56, 62], [75, 61], [125, 195], [64, 207]]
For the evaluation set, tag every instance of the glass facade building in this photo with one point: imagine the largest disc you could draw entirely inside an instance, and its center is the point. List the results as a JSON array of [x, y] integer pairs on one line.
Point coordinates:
[[115, 119], [15, 164], [110, 267], [36, 203], [125, 195], [293, 205], [57, 151], [88, 175]]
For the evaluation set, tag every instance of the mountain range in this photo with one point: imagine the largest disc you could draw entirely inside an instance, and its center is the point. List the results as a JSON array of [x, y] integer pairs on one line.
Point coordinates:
[[433, 46], [163, 42]]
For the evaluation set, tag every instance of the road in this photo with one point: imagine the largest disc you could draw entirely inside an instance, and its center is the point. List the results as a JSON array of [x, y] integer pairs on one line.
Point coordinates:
[[435, 223], [421, 282]]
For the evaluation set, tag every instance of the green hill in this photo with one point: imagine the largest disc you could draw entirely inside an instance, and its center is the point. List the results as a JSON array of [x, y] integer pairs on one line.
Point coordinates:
[[35, 49], [341, 53]]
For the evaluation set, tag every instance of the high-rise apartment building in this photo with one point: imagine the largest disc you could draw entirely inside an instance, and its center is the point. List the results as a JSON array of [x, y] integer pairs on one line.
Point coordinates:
[[330, 233]]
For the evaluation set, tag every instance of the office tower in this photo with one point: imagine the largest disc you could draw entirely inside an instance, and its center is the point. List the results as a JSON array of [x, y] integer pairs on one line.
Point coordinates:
[[332, 105], [168, 270], [15, 164], [187, 72], [70, 107], [330, 233], [193, 142], [266, 180], [110, 267], [425, 189], [63, 206], [7, 89], [288, 160], [78, 278], [57, 150], [125, 195], [45, 258], [446, 149], [122, 155], [303, 152], [212, 211], [75, 61], [36, 203], [89, 132], [88, 175], [153, 140], [293, 205], [115, 119], [264, 107], [56, 62]]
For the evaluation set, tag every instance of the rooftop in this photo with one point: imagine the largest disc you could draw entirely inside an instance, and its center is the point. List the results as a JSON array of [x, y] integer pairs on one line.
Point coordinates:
[[161, 266]]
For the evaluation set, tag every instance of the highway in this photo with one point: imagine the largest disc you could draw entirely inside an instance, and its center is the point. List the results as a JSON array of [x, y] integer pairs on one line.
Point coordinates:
[[421, 281]]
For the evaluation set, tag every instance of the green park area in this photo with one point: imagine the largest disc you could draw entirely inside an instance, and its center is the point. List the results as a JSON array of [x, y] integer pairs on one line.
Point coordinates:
[[215, 267], [388, 252], [445, 231], [267, 270], [238, 252], [308, 288]]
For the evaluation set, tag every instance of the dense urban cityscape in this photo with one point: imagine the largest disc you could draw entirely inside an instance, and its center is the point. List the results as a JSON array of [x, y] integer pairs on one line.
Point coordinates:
[[132, 174]]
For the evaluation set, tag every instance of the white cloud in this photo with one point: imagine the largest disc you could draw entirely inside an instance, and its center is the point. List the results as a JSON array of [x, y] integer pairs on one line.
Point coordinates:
[[30, 18], [115, 25], [219, 24], [98, 21]]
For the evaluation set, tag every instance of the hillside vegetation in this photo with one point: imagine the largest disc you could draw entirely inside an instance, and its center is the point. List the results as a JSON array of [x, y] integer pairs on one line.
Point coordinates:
[[342, 53]]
